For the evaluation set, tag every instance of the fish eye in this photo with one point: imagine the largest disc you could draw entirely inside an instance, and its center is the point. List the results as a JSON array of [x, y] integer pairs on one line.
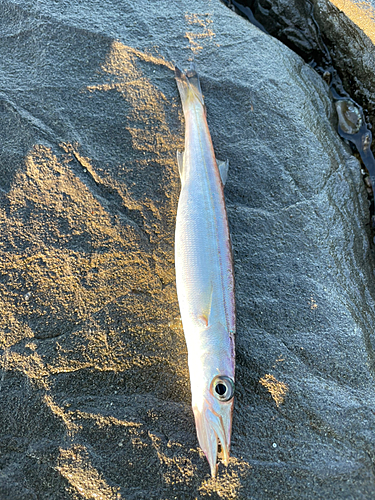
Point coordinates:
[[222, 387]]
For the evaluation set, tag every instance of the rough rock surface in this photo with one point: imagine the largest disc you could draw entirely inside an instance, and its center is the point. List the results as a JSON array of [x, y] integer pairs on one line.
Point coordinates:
[[94, 391]]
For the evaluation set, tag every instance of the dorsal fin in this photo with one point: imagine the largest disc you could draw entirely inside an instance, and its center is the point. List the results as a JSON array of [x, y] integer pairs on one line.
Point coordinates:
[[223, 169]]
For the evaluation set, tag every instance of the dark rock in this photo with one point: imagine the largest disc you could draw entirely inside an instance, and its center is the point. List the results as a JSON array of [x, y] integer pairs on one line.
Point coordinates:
[[334, 35], [349, 28]]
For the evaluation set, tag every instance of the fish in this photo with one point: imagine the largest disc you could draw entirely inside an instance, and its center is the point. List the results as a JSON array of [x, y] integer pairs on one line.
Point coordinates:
[[205, 276]]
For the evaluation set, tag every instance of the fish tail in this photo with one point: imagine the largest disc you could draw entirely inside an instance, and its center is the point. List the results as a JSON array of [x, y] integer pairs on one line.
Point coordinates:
[[188, 85]]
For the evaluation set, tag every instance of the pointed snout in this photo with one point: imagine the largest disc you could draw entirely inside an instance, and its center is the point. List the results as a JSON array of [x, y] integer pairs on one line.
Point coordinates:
[[214, 423]]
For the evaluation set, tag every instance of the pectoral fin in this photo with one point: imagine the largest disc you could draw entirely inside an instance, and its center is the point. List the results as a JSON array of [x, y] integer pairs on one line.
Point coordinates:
[[223, 169], [204, 320], [204, 317]]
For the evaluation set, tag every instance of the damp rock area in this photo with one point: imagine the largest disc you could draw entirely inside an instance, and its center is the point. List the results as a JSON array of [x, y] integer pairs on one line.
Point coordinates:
[[95, 400], [337, 39], [330, 35]]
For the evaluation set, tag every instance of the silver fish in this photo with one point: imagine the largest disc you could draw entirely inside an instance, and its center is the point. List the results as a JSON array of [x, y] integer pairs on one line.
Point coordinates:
[[204, 276]]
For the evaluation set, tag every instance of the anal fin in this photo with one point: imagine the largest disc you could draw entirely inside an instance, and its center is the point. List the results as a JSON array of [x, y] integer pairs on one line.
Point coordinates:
[[180, 162]]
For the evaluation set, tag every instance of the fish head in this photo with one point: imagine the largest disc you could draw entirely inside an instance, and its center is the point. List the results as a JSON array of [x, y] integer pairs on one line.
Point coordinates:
[[213, 420], [212, 385]]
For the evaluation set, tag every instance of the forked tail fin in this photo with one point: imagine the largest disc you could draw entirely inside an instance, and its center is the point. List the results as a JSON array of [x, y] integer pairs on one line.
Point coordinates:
[[188, 86]]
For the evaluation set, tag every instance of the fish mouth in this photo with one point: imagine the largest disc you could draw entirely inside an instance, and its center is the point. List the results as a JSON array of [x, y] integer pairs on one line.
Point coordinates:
[[214, 425]]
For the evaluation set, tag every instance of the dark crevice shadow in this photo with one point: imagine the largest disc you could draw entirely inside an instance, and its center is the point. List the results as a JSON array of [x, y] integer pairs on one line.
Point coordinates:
[[114, 202]]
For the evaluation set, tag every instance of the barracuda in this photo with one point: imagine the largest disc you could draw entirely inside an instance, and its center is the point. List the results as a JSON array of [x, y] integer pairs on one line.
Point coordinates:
[[204, 276]]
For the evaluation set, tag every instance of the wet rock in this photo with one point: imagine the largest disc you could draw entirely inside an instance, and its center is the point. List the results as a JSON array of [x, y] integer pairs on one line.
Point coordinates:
[[334, 35], [95, 401], [349, 28], [291, 22], [352, 127]]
